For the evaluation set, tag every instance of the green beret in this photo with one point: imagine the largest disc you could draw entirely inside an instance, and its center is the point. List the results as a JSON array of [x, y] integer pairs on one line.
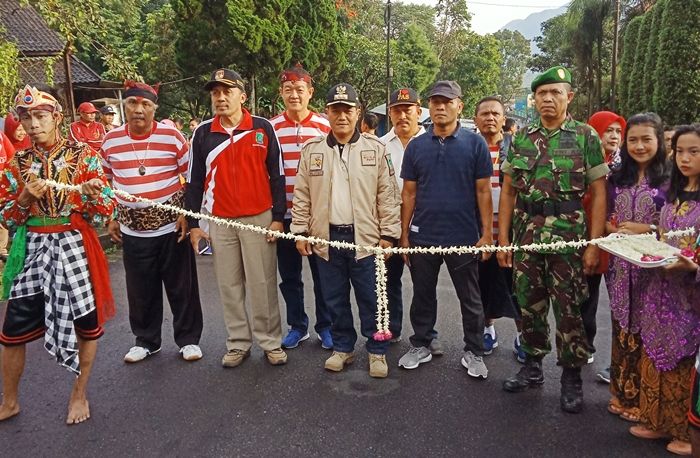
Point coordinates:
[[556, 74]]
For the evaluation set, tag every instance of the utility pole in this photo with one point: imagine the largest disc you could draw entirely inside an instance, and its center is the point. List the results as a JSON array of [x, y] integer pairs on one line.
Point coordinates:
[[613, 76], [387, 21]]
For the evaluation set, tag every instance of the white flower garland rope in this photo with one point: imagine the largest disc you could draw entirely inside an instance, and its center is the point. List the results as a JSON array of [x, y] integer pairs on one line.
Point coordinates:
[[382, 318]]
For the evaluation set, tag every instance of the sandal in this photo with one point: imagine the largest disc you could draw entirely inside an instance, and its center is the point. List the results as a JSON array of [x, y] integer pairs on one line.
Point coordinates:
[[614, 407], [678, 447], [631, 415], [643, 432]]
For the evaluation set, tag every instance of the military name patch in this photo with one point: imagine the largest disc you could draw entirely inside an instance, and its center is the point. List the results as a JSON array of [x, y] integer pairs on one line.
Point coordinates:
[[369, 158]]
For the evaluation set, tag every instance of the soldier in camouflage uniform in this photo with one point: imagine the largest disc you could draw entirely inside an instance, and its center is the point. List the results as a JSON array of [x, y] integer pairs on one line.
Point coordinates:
[[550, 165]]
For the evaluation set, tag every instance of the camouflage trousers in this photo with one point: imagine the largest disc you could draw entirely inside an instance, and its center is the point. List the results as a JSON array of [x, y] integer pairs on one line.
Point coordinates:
[[540, 280]]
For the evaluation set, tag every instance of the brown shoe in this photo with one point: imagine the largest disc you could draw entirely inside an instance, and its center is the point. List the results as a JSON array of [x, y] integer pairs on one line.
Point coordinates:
[[339, 360], [679, 448], [643, 432], [234, 357], [377, 366], [276, 357]]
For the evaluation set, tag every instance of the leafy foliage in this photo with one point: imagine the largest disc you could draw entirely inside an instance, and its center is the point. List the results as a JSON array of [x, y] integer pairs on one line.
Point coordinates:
[[677, 94], [515, 51]]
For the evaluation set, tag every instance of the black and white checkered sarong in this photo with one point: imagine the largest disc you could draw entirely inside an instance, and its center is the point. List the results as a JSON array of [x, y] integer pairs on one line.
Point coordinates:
[[56, 266]]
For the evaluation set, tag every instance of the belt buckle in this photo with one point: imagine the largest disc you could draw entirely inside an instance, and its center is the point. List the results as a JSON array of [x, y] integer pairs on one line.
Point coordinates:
[[548, 208]]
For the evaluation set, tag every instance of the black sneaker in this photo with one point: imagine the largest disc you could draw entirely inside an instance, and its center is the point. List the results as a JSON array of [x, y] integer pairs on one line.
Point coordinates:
[[530, 375], [571, 400]]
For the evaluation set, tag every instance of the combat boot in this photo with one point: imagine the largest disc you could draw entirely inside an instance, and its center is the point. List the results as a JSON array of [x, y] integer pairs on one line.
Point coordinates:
[[571, 390], [530, 375]]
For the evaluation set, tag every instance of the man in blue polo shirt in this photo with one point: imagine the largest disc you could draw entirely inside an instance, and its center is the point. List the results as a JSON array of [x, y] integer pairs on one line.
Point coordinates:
[[446, 173]]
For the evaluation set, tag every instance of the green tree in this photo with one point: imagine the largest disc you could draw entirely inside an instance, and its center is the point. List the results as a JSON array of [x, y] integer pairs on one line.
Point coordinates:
[[365, 69], [635, 91], [9, 73], [415, 60], [649, 81], [452, 31], [588, 19], [89, 29], [476, 69], [677, 94], [629, 48], [515, 52], [260, 39], [554, 46], [318, 41]]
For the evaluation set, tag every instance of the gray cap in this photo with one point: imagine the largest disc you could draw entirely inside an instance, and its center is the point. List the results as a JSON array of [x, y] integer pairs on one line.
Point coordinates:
[[448, 89]]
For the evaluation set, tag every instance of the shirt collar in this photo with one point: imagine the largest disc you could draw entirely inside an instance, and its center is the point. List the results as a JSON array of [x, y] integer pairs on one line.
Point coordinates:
[[331, 141], [302, 122], [392, 134], [456, 133], [568, 124], [245, 124]]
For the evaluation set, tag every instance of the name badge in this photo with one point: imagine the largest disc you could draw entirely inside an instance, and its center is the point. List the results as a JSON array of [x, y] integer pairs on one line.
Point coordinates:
[[369, 158]]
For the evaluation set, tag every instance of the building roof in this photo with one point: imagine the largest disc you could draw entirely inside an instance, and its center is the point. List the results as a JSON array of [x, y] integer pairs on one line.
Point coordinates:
[[33, 71], [28, 30]]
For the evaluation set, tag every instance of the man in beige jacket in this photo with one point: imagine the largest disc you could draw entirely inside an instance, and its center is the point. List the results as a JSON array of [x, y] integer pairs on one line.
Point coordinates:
[[346, 190]]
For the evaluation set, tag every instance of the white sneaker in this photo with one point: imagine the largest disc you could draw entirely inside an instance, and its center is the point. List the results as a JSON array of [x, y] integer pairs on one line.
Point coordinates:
[[191, 352], [591, 359], [137, 354]]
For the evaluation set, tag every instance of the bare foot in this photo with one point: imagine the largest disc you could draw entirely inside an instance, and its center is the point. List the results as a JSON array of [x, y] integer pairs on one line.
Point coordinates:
[[8, 411], [78, 411]]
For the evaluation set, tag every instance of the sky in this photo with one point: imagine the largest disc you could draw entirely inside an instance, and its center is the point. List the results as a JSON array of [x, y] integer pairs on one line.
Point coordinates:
[[490, 15]]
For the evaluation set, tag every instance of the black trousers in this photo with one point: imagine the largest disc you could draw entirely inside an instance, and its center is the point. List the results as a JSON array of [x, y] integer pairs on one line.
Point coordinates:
[[151, 263], [589, 309], [464, 272]]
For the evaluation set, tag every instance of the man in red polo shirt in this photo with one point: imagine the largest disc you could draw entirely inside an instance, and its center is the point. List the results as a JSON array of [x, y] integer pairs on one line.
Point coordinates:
[[236, 163], [86, 129], [293, 127]]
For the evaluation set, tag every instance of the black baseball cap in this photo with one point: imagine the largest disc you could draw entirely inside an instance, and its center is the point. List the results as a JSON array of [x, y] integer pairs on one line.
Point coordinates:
[[404, 96], [108, 110], [447, 89], [342, 93], [225, 77]]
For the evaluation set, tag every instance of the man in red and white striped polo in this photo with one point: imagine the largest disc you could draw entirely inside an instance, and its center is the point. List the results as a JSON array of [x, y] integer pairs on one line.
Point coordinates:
[[293, 127], [496, 283], [145, 159]]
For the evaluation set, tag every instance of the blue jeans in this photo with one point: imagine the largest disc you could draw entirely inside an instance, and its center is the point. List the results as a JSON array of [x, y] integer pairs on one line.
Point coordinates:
[[394, 271], [292, 287], [336, 275]]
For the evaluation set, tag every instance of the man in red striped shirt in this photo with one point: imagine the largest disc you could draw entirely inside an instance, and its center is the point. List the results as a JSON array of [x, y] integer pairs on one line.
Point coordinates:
[[293, 127], [145, 159], [496, 283]]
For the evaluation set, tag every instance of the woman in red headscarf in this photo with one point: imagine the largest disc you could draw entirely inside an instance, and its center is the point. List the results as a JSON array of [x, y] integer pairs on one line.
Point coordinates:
[[16, 133], [611, 130]]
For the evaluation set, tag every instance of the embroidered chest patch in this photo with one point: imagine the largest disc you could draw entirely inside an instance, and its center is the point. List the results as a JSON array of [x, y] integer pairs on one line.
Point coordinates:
[[316, 164]]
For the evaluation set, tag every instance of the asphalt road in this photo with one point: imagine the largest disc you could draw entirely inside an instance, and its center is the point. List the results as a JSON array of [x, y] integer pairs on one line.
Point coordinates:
[[167, 407]]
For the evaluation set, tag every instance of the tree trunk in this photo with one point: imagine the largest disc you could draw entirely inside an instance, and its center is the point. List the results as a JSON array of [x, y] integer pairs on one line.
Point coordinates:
[[599, 81], [253, 105], [590, 91]]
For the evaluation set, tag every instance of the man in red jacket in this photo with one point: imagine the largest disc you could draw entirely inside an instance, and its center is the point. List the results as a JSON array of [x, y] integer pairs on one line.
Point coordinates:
[[87, 130], [236, 165]]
